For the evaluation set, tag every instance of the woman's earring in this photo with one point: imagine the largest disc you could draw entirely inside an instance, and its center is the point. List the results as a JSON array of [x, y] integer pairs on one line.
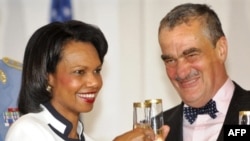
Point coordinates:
[[48, 88]]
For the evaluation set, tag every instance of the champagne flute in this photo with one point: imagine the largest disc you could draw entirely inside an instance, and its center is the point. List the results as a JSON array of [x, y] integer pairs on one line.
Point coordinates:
[[141, 115], [156, 116]]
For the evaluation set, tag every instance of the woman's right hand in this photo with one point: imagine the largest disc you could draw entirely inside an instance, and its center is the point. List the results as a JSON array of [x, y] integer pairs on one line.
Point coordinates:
[[141, 134]]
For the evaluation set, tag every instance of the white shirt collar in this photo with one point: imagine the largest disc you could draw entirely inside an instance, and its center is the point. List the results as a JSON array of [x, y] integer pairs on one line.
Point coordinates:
[[224, 96]]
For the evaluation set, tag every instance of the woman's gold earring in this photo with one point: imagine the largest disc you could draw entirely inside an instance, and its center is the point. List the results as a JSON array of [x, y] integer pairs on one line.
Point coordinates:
[[48, 88]]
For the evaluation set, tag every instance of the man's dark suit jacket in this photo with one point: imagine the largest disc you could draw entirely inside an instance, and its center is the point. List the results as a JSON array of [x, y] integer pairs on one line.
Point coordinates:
[[174, 116]]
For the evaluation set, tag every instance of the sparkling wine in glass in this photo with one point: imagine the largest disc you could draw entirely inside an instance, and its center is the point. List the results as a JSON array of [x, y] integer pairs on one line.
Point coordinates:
[[141, 115], [156, 117]]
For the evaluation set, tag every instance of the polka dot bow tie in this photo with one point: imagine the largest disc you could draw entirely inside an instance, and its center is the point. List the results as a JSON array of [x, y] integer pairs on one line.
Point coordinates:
[[191, 113]]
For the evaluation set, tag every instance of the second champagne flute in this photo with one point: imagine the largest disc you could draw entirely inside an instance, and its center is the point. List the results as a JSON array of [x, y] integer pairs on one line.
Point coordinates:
[[156, 116], [141, 115]]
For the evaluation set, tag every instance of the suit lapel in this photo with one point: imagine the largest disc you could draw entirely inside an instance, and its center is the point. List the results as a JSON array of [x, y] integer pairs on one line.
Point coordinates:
[[239, 102], [175, 118]]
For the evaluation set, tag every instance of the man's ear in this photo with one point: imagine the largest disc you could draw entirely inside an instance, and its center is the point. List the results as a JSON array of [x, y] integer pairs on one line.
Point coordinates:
[[222, 48]]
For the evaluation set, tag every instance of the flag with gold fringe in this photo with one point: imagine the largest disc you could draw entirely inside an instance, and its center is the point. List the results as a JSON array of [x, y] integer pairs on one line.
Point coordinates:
[[61, 10]]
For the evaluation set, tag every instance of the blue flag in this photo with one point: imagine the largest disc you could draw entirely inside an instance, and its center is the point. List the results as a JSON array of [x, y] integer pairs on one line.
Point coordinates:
[[61, 10]]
